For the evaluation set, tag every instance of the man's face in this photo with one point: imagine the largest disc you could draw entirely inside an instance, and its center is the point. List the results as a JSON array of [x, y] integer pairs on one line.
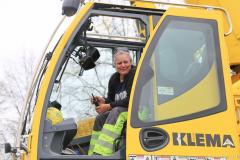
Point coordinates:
[[123, 64]]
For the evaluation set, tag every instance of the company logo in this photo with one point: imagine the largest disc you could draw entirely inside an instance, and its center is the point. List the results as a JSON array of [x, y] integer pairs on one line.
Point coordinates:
[[199, 139]]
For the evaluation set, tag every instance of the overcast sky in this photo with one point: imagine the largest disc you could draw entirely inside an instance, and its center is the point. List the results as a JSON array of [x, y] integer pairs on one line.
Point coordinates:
[[26, 26]]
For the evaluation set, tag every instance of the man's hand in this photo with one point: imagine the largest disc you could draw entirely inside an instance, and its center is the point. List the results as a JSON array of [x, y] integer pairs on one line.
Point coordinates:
[[99, 100], [103, 108]]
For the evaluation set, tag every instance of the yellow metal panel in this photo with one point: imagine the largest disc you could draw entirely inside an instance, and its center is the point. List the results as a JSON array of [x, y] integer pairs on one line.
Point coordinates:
[[233, 40], [236, 88], [151, 24], [47, 78]]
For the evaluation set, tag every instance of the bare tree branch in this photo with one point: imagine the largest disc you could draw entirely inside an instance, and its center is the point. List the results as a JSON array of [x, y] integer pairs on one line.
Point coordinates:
[[12, 94]]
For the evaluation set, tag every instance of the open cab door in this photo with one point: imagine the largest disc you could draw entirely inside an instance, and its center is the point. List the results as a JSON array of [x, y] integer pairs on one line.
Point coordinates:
[[79, 65], [181, 104]]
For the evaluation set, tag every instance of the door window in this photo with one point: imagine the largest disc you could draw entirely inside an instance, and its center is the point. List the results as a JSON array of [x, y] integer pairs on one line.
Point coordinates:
[[180, 77]]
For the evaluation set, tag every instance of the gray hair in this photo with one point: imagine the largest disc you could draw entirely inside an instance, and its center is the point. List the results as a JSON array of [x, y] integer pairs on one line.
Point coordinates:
[[120, 51]]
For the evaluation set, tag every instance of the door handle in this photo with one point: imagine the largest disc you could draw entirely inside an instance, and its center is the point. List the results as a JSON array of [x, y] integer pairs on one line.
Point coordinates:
[[153, 138]]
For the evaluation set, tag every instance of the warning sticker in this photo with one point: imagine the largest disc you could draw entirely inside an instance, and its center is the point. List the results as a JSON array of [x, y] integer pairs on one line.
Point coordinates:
[[154, 157], [132, 157], [165, 90], [147, 157]]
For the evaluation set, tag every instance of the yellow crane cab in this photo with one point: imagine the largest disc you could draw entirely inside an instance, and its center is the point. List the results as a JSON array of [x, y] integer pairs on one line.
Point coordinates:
[[183, 103]]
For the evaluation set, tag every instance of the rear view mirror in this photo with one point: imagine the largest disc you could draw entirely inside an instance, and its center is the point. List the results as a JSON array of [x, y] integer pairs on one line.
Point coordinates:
[[93, 53], [88, 61]]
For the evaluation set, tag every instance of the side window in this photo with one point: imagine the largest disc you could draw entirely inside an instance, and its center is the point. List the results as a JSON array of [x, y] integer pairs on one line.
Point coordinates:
[[74, 91], [186, 80]]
